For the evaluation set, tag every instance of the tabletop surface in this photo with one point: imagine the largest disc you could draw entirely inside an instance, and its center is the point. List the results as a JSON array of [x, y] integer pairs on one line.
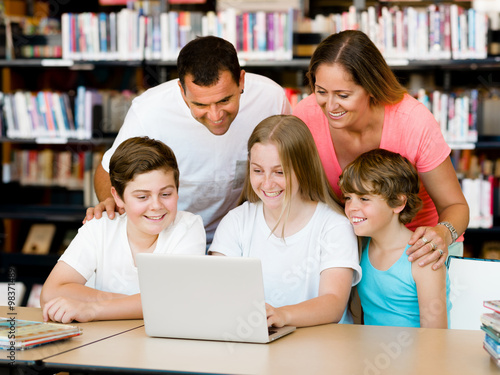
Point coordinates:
[[92, 332], [332, 348]]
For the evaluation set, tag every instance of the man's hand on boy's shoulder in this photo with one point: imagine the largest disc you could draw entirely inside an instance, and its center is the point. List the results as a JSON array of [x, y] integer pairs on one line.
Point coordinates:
[[108, 205]]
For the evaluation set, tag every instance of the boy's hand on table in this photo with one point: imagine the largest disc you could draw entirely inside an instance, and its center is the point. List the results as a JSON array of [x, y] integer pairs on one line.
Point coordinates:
[[65, 310]]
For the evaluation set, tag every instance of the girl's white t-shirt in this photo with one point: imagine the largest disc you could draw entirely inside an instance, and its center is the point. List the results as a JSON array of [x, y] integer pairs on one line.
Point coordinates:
[[291, 267]]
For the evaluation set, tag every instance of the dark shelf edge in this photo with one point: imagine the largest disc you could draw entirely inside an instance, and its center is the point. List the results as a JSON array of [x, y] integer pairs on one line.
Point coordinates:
[[482, 230], [298, 62], [59, 141], [57, 213]]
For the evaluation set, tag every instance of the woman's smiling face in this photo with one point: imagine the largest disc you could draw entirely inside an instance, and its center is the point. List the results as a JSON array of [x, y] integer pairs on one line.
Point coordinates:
[[345, 104]]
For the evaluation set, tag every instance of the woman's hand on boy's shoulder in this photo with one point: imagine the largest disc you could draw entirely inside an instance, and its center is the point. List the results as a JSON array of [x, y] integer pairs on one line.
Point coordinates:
[[428, 244]]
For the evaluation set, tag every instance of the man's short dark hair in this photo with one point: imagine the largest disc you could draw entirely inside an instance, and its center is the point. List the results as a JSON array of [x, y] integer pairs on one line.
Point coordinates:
[[205, 58]]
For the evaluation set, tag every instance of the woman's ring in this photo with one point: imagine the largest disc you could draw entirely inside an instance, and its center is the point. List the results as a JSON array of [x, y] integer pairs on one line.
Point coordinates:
[[434, 246], [425, 240], [441, 252]]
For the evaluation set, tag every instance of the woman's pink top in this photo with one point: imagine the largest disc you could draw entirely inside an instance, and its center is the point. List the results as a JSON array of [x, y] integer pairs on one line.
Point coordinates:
[[409, 129]]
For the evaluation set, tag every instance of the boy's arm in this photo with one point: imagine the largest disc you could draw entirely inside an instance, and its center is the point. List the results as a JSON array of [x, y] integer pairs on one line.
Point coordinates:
[[65, 298], [431, 291], [65, 281], [66, 310], [328, 307]]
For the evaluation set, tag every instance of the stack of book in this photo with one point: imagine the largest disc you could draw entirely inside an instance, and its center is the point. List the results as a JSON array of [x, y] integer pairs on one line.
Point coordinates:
[[491, 325], [479, 176], [131, 35], [38, 114], [456, 112], [437, 31], [48, 116]]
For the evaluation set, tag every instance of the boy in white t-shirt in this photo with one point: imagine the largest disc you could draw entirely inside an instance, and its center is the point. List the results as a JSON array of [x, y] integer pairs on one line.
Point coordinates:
[[96, 278]]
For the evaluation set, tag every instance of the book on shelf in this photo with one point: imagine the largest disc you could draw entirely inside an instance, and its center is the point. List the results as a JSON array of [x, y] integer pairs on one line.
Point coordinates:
[[32, 37], [39, 239], [47, 167], [142, 31], [479, 194], [480, 181], [48, 116], [137, 36], [101, 113], [114, 2], [92, 112], [456, 112], [92, 161], [436, 31], [295, 95], [31, 115]]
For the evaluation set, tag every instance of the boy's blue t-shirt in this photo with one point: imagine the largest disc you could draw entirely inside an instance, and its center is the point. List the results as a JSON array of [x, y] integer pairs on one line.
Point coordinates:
[[389, 298]]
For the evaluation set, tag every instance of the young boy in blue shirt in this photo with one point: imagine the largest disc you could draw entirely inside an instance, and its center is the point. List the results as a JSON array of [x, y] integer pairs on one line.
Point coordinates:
[[380, 190]]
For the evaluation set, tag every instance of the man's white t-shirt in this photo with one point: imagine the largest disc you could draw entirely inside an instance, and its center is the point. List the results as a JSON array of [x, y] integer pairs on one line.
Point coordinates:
[[212, 168], [291, 267], [101, 253]]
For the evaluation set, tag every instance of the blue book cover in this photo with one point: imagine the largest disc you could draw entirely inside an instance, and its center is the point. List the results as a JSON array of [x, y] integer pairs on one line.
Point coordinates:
[[492, 343], [65, 103], [80, 111], [64, 115], [40, 100], [103, 32]]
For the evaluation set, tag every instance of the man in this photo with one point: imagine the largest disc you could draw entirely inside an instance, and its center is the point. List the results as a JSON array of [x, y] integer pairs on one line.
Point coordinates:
[[206, 117]]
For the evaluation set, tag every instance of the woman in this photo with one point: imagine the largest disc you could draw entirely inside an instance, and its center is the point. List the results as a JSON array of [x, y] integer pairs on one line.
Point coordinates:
[[292, 223], [358, 105]]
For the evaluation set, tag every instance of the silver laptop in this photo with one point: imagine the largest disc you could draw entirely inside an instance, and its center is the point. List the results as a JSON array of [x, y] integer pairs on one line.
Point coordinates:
[[205, 298]]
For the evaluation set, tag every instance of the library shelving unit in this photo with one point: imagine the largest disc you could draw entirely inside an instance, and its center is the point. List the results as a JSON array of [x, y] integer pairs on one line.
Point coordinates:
[[24, 205], [25, 202]]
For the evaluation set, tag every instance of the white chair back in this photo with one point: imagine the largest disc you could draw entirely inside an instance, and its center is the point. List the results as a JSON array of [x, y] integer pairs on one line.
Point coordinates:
[[472, 281]]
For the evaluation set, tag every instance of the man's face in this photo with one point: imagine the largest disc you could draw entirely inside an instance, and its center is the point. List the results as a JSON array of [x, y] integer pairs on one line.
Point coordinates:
[[214, 106]]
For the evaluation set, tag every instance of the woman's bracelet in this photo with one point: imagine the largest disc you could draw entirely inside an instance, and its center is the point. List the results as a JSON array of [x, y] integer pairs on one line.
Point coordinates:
[[451, 228]]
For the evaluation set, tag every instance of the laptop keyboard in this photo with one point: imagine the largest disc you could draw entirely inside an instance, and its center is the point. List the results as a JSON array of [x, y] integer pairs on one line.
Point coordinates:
[[271, 330]]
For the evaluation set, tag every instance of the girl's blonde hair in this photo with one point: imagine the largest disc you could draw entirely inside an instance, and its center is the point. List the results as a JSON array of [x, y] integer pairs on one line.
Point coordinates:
[[298, 153]]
